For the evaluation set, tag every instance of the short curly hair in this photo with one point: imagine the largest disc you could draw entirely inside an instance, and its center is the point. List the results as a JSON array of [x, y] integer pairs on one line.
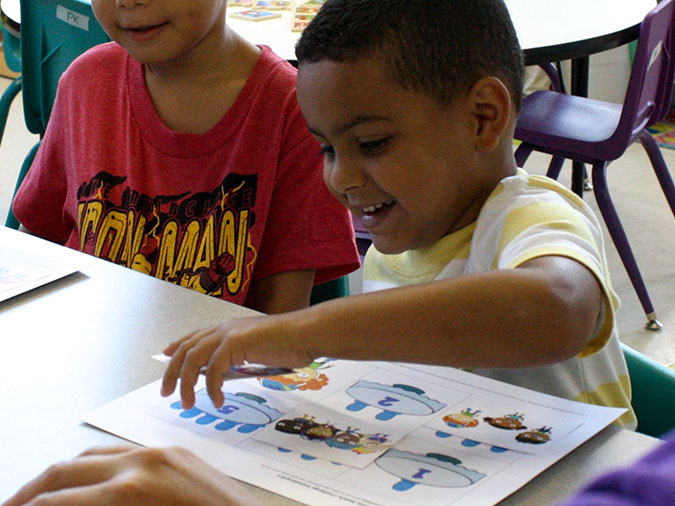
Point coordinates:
[[436, 47]]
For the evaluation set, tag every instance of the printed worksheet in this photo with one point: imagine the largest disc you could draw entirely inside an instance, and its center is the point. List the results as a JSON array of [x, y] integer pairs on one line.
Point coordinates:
[[369, 433], [21, 271]]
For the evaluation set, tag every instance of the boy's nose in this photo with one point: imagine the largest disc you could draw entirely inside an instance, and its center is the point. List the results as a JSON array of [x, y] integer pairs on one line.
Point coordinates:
[[343, 175]]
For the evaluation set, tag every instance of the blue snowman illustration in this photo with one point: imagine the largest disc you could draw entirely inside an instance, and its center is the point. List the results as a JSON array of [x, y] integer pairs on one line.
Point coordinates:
[[432, 469], [247, 412], [393, 400]]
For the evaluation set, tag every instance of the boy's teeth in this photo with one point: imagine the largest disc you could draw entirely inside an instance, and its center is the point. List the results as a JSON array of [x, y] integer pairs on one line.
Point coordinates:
[[372, 209]]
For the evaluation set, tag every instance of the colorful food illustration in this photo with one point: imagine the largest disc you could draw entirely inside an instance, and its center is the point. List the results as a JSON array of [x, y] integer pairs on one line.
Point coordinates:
[[465, 419], [536, 436], [343, 439], [305, 378], [513, 421]]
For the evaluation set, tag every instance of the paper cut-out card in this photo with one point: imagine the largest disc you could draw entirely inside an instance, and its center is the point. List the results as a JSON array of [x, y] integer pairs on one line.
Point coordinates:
[[246, 410], [324, 376], [299, 460], [325, 434], [387, 399], [312, 459], [508, 423], [21, 271]]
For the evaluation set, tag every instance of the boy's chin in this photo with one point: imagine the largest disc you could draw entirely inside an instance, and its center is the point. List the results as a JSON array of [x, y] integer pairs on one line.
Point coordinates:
[[389, 245]]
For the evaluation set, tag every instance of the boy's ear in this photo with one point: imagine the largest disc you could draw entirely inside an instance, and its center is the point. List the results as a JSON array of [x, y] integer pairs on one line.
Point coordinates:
[[491, 107]]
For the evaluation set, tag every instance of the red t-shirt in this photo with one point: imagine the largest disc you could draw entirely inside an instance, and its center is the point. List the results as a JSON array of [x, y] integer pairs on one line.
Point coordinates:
[[212, 212]]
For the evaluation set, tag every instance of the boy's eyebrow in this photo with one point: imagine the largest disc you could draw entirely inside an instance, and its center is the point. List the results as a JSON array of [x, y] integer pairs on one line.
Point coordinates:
[[346, 127]]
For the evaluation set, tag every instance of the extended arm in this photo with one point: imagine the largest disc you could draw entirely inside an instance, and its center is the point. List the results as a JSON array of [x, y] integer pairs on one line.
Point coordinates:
[[542, 312]]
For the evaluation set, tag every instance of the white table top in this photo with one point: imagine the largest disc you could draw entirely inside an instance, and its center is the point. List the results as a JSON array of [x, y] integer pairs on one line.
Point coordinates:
[[540, 24], [12, 9], [80, 342]]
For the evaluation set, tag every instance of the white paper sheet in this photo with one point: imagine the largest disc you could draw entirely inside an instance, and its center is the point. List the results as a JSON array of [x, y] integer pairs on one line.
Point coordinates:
[[21, 271], [371, 433]]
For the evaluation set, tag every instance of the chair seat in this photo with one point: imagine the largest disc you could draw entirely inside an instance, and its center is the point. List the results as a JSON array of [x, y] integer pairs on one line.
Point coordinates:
[[590, 131], [567, 123]]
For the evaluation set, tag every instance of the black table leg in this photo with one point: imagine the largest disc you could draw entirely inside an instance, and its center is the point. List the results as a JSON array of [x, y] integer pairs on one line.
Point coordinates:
[[579, 87]]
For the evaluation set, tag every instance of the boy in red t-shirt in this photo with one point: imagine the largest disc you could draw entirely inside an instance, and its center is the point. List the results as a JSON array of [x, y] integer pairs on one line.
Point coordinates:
[[179, 150]]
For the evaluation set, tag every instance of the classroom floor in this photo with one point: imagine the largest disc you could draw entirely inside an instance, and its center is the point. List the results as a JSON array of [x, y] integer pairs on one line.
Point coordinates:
[[642, 207]]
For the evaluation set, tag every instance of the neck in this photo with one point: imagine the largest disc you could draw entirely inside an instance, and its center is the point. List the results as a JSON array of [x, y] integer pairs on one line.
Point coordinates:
[[217, 57]]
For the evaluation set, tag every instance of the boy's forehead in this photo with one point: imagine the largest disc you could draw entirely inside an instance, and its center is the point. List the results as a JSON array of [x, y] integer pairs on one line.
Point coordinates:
[[343, 90], [366, 66]]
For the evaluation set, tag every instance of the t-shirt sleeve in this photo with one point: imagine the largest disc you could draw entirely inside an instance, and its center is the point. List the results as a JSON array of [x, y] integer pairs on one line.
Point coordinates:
[[552, 227], [307, 228], [39, 203]]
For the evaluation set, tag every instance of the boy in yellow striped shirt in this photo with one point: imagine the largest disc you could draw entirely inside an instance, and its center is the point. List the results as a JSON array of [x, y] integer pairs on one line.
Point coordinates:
[[474, 264]]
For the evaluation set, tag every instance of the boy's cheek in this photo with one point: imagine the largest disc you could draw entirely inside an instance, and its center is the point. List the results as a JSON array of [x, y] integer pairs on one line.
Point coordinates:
[[329, 185]]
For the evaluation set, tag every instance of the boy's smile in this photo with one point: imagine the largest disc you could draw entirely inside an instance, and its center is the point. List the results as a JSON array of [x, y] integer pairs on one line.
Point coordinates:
[[142, 33], [155, 31], [405, 165]]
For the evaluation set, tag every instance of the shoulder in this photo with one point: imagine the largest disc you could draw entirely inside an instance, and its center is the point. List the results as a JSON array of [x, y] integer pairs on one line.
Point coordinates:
[[274, 75], [534, 214], [272, 64], [102, 60], [268, 101], [534, 197]]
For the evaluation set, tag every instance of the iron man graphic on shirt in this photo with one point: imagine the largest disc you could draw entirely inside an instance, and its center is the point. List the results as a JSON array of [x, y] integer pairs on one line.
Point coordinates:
[[197, 240]]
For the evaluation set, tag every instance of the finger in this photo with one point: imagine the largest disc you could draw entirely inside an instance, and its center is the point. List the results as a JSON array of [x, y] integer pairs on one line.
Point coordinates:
[[77, 496], [107, 450], [79, 472], [173, 370], [173, 345], [195, 358], [189, 374], [217, 368]]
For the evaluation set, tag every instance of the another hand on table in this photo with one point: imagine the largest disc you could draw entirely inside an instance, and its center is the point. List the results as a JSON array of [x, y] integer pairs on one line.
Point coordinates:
[[132, 476], [268, 340]]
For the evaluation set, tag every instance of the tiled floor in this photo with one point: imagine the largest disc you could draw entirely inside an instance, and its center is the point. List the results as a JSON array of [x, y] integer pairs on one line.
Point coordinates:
[[645, 214]]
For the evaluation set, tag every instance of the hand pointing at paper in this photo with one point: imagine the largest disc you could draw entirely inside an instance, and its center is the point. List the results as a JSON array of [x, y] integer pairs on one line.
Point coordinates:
[[268, 340]]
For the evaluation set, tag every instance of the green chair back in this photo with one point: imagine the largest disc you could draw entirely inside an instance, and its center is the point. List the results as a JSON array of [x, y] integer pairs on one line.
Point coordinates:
[[653, 386], [53, 34], [330, 290], [11, 47]]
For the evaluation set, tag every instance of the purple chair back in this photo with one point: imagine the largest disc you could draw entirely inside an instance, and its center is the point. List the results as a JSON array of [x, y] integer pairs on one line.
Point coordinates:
[[651, 81]]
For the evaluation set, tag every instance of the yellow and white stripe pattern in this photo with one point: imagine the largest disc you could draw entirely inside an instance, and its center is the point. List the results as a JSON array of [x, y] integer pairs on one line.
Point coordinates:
[[527, 217]]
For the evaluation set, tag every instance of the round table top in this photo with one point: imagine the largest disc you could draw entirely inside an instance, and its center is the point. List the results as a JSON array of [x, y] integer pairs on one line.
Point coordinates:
[[552, 31], [547, 30], [11, 9]]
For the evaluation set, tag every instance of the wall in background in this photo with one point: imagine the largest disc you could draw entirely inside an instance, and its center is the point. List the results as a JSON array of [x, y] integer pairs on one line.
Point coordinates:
[[608, 75]]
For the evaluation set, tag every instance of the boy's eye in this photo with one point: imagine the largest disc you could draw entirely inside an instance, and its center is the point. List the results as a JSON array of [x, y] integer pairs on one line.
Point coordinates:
[[374, 147]]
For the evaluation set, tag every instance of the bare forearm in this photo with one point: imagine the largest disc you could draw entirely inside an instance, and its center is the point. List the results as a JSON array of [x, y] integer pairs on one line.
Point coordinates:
[[509, 318], [542, 312]]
